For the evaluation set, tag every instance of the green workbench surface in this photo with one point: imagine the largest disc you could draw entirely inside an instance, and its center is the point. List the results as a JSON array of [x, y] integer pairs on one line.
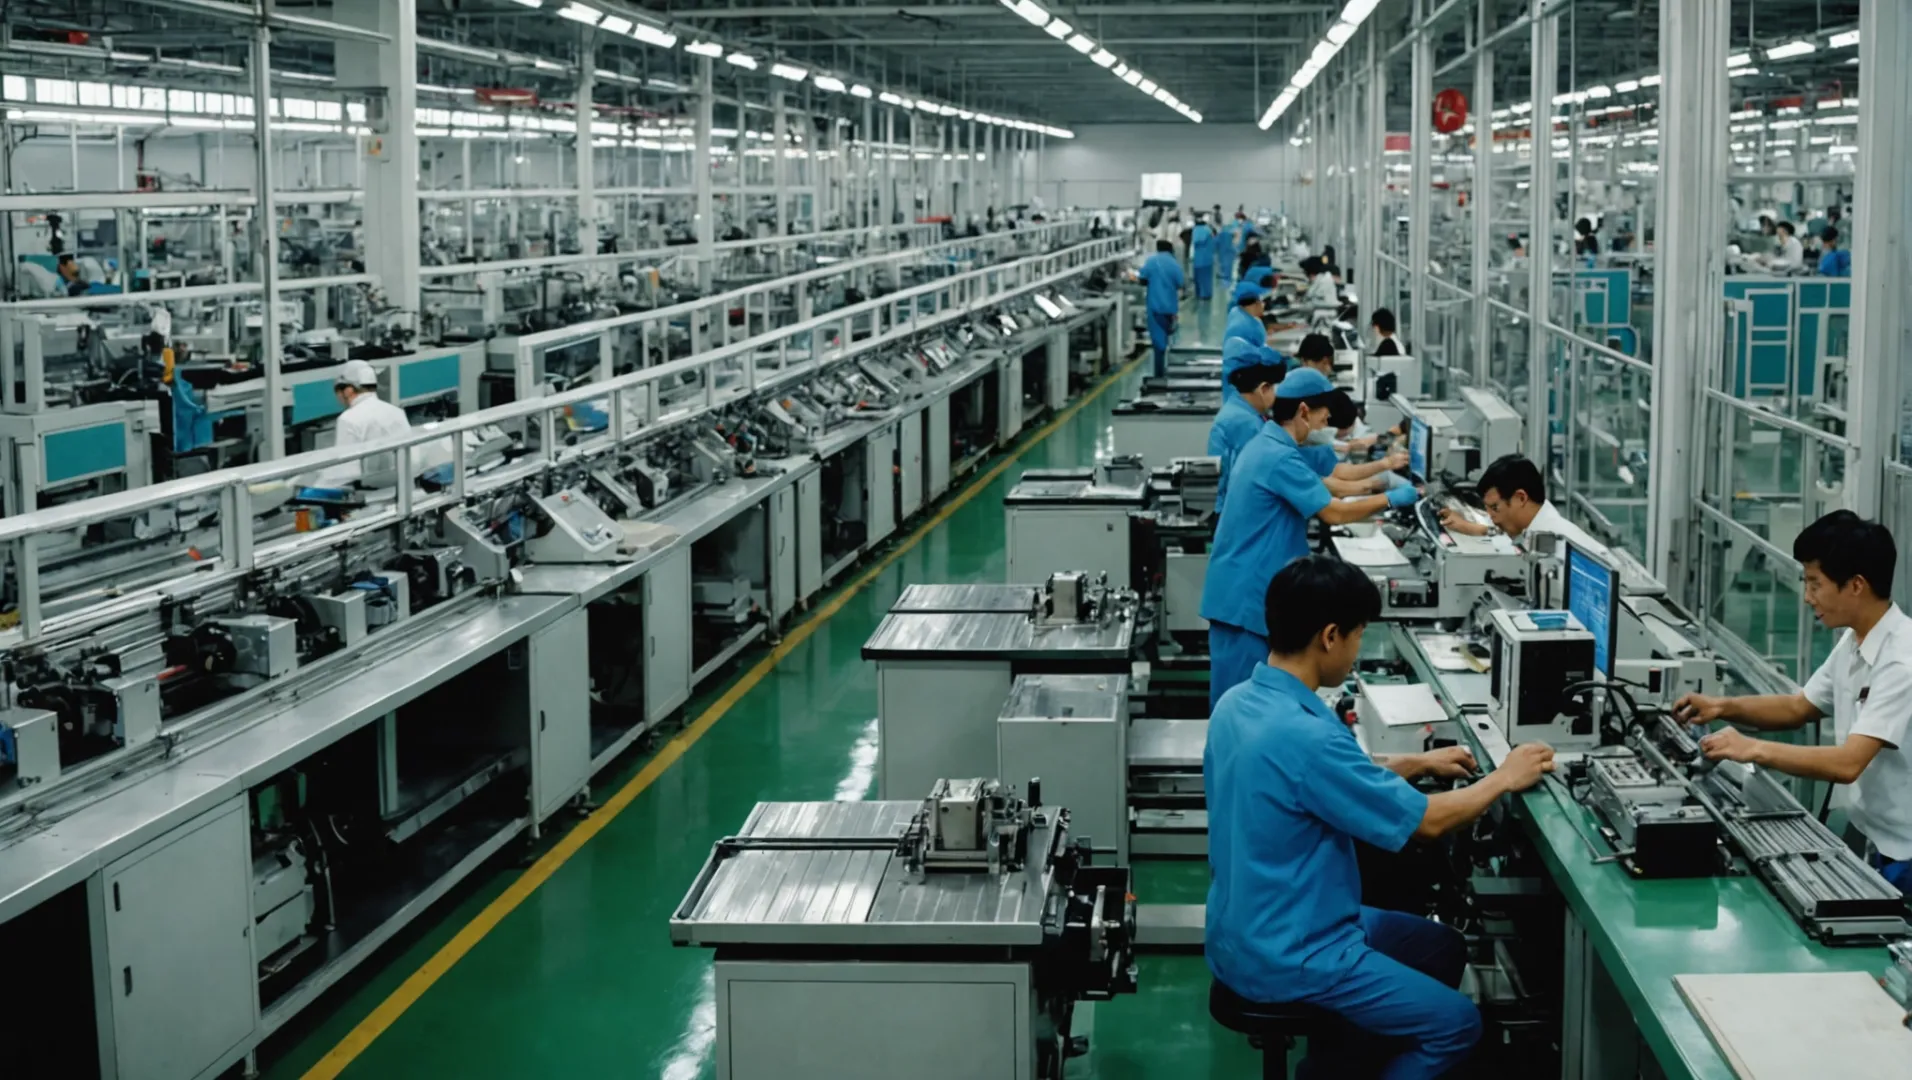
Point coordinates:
[[1647, 931]]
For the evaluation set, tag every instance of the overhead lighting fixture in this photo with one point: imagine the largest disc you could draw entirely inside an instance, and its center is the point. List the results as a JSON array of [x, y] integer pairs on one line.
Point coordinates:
[[888, 98], [1133, 77], [1147, 87], [704, 48], [1599, 91], [1739, 60], [615, 24], [1649, 80], [1791, 49], [1121, 70], [1338, 34], [743, 60], [1844, 40], [531, 3], [789, 71], [1082, 44], [1033, 13], [1103, 58], [1163, 95], [1059, 29], [651, 35], [828, 82], [965, 114], [583, 13], [546, 65], [1627, 86], [859, 90]]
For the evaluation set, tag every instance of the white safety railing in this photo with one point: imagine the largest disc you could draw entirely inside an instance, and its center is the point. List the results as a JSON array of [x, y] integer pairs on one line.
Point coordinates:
[[635, 406]]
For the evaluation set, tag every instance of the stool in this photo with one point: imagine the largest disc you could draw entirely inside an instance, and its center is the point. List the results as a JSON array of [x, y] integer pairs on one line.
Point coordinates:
[[1273, 1028]]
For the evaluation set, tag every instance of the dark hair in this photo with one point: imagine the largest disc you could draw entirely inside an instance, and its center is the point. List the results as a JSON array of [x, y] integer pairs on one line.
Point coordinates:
[[1830, 236], [1312, 266], [1315, 347], [1342, 412], [1247, 379], [1510, 474], [1583, 227], [1846, 546], [1833, 213], [1327, 254], [1383, 320], [1250, 300], [1286, 408], [1787, 226], [1164, 245], [1313, 593]]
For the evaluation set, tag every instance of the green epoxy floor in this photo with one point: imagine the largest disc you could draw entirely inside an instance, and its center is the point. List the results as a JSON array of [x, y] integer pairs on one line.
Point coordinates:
[[582, 981]]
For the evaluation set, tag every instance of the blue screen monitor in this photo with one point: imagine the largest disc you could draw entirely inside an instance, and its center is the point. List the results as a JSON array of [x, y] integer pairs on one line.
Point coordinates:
[[1593, 597], [1418, 436]]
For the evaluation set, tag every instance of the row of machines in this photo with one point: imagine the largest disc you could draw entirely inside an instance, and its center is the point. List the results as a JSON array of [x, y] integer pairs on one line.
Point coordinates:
[[220, 791]]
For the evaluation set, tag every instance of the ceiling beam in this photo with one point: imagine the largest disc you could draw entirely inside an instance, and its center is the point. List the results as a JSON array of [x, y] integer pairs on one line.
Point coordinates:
[[995, 10], [1155, 44]]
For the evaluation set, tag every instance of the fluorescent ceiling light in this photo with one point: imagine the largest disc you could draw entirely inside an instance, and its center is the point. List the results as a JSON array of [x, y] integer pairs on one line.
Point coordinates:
[[532, 3], [704, 48], [1599, 91], [1147, 87], [1103, 58], [545, 65], [743, 60], [614, 24], [1627, 86], [1121, 70], [1358, 10], [1791, 49], [651, 35], [1133, 77], [1035, 14], [1059, 29], [828, 82], [1739, 60], [789, 71], [859, 90], [1323, 52], [1649, 80], [889, 99], [583, 13], [1082, 44], [965, 114], [1161, 94], [1844, 40], [1340, 32]]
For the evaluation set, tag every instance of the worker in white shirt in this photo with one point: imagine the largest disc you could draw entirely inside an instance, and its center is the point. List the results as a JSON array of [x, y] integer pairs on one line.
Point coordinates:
[[1514, 494], [1790, 258], [366, 419], [1865, 685], [1321, 291]]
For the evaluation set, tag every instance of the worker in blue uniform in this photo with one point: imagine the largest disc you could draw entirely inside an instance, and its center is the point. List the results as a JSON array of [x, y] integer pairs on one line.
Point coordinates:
[[1244, 343], [1289, 792], [1201, 258], [1272, 492], [1241, 416], [1163, 276]]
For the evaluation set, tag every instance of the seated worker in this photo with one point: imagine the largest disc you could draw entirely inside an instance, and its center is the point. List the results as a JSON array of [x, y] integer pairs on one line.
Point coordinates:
[[1244, 326], [1321, 291], [1836, 262], [1514, 495], [1273, 491], [1289, 793], [1163, 276], [1241, 417], [1865, 685], [1384, 340]]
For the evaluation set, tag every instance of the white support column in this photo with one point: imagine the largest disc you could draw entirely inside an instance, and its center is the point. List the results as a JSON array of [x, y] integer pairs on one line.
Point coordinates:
[[1482, 203], [1374, 176], [886, 195], [584, 109], [779, 164], [266, 239], [1540, 185], [1421, 192], [391, 160], [1688, 324], [1881, 260], [700, 166]]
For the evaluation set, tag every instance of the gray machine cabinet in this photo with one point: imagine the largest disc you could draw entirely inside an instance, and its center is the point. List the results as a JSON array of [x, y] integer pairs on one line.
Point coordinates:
[[174, 980], [791, 1020], [560, 712], [936, 718], [1082, 763], [783, 551], [1009, 389], [936, 448], [1044, 540], [667, 625], [1183, 577], [879, 483], [809, 534], [1056, 369], [909, 457]]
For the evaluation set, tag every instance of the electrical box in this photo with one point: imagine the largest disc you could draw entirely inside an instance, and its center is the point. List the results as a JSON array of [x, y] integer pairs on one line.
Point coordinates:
[[1536, 656]]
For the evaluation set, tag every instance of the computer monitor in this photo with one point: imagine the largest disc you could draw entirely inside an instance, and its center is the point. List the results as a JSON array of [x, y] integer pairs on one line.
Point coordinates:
[[1418, 436], [1593, 597]]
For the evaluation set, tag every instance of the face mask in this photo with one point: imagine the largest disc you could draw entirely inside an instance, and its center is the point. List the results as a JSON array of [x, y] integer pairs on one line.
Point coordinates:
[[1321, 437]]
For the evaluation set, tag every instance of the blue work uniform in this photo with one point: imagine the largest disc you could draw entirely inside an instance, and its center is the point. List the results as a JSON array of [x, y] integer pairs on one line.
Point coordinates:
[[1273, 492], [1234, 425], [1163, 275], [1836, 263], [1201, 258], [1289, 792], [1244, 342], [1225, 249]]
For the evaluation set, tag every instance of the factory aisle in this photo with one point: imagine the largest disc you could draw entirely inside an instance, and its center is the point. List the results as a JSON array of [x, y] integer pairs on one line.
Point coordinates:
[[581, 980]]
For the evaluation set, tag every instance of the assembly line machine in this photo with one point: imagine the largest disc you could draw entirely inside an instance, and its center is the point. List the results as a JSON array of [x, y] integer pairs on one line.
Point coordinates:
[[251, 727]]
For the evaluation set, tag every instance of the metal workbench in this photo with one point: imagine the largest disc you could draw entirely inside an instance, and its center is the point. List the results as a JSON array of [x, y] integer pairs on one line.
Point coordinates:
[[1642, 933], [933, 599]]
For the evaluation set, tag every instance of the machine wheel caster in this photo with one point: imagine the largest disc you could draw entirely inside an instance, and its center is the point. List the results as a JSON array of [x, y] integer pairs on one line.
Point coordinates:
[[583, 808], [1078, 1046]]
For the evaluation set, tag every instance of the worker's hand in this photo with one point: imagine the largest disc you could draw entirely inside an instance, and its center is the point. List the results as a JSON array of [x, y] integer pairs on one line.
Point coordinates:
[[1699, 709], [1453, 522], [1397, 460], [1449, 763], [1404, 496], [1366, 442], [1526, 764], [1727, 744]]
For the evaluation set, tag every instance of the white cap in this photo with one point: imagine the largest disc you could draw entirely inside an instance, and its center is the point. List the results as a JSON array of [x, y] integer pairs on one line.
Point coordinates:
[[356, 373]]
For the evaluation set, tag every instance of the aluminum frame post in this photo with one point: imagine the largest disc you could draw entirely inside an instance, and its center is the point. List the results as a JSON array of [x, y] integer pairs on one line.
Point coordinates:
[[1690, 270], [1545, 34], [266, 239], [701, 161], [1483, 188], [1421, 194]]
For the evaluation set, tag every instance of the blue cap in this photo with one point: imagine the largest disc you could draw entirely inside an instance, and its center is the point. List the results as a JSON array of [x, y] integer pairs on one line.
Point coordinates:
[[1248, 290], [1260, 275], [1303, 383], [1236, 347]]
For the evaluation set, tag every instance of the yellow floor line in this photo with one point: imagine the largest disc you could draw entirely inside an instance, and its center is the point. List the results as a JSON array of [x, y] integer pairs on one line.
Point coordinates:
[[413, 988]]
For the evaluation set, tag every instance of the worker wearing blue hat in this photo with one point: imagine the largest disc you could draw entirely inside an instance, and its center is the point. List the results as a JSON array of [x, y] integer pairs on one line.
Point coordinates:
[[1273, 491], [1241, 416], [1244, 326], [1201, 258], [1163, 276]]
